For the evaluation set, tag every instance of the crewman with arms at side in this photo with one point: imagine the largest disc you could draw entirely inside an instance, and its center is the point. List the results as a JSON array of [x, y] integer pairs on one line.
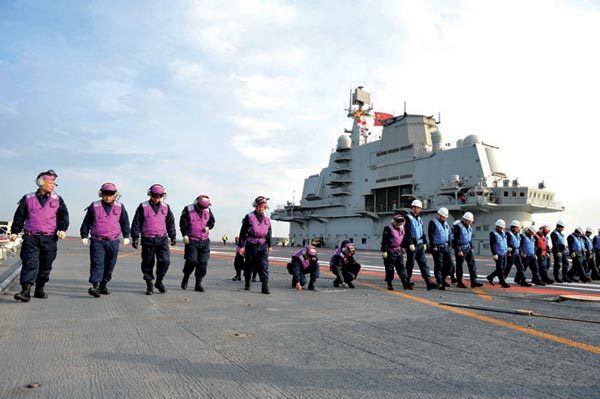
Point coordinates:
[[500, 250], [416, 244], [463, 248], [44, 218], [392, 253], [441, 248]]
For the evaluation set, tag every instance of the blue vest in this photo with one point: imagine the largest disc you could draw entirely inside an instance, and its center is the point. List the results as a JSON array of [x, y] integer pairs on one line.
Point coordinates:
[[527, 245], [598, 242], [501, 245], [577, 245], [588, 243], [561, 237], [514, 240], [464, 241], [442, 232], [415, 224]]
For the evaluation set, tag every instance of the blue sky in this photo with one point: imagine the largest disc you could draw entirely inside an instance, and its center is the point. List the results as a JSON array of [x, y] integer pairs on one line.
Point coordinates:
[[244, 98]]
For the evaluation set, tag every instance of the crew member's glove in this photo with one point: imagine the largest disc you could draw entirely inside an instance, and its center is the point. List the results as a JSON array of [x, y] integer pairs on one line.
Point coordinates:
[[298, 287], [186, 239], [424, 247], [173, 242], [460, 253], [85, 241], [134, 243], [495, 257], [384, 255], [242, 251], [270, 250], [206, 230], [434, 249], [61, 234], [573, 255], [13, 237], [412, 248], [126, 241], [559, 254]]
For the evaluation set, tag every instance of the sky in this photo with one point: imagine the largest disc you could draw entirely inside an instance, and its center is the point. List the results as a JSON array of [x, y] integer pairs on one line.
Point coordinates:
[[244, 98]]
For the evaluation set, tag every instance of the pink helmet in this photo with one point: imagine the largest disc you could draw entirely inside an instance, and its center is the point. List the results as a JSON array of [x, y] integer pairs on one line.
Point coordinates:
[[259, 200], [108, 187], [157, 189], [311, 250], [203, 201]]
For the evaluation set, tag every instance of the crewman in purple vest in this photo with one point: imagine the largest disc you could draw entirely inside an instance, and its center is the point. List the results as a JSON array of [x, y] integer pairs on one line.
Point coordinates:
[[105, 220], [255, 243], [391, 252], [154, 221], [195, 223], [343, 265], [44, 218], [304, 261]]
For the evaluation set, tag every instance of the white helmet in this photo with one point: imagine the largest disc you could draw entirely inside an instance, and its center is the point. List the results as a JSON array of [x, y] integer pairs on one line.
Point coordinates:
[[532, 229], [456, 222], [417, 203], [589, 230], [579, 230], [515, 223], [560, 223], [468, 216], [443, 212], [500, 223]]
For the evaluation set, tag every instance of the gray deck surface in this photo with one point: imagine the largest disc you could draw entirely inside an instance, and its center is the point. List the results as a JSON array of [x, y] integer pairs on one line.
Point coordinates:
[[229, 343]]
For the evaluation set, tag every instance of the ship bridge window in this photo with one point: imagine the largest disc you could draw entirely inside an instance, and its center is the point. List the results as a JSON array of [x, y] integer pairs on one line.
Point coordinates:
[[486, 227], [393, 150], [364, 241], [381, 180], [380, 153], [506, 193], [393, 178], [477, 228], [406, 176], [514, 193], [406, 147]]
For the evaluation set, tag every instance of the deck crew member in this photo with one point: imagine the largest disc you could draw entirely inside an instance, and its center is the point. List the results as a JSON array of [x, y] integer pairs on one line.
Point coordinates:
[[155, 223], [255, 243], [513, 237], [463, 248], [416, 243], [195, 223], [559, 253], [500, 250], [343, 265], [576, 250], [44, 218], [105, 220], [542, 252], [304, 261], [391, 252], [441, 247], [528, 254], [596, 244], [590, 266]]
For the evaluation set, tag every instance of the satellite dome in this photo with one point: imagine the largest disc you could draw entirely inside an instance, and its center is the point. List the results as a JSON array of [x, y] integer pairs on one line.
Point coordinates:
[[344, 142], [436, 137], [471, 139], [459, 143]]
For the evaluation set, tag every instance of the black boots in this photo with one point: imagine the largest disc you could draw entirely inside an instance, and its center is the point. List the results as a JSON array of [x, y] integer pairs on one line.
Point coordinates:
[[430, 285], [160, 286], [25, 294], [406, 284], [390, 287], [93, 290], [265, 288], [104, 288], [184, 281], [247, 285], [237, 277], [198, 286], [475, 284], [149, 289], [311, 284], [39, 291]]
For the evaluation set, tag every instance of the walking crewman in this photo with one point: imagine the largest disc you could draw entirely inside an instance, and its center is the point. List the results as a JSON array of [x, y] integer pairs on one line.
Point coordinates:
[[106, 220], [155, 223], [255, 243], [44, 218], [559, 253], [542, 252], [224, 239], [463, 248], [343, 265], [576, 250], [416, 242], [439, 233], [528, 254], [500, 250], [596, 244], [514, 256], [391, 252], [304, 261], [195, 223], [590, 267]]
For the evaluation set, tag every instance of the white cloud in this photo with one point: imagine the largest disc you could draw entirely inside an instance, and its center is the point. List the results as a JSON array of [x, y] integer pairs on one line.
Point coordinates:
[[111, 96], [188, 72]]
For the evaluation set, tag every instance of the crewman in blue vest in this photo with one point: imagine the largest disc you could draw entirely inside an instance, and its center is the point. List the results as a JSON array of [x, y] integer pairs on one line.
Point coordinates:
[[391, 252], [590, 267], [528, 254], [500, 250], [441, 248], [596, 244], [463, 248], [416, 242], [559, 253], [513, 237], [576, 250]]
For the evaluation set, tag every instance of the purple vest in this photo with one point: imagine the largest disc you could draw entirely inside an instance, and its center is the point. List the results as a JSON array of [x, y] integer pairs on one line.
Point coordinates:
[[258, 231], [41, 219], [198, 223], [155, 224], [107, 226], [305, 262], [338, 252], [396, 238]]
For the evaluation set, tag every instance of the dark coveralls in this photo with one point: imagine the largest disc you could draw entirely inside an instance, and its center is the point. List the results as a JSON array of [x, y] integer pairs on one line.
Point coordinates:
[[345, 268], [590, 266], [543, 257], [576, 248], [103, 251], [440, 242], [416, 236], [256, 256], [38, 251], [154, 246], [529, 258], [514, 257], [298, 272], [196, 253], [559, 247], [395, 257], [462, 243], [499, 248], [596, 245]]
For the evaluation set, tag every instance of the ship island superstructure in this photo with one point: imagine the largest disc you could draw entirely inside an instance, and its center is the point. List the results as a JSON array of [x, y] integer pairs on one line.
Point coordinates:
[[366, 182]]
